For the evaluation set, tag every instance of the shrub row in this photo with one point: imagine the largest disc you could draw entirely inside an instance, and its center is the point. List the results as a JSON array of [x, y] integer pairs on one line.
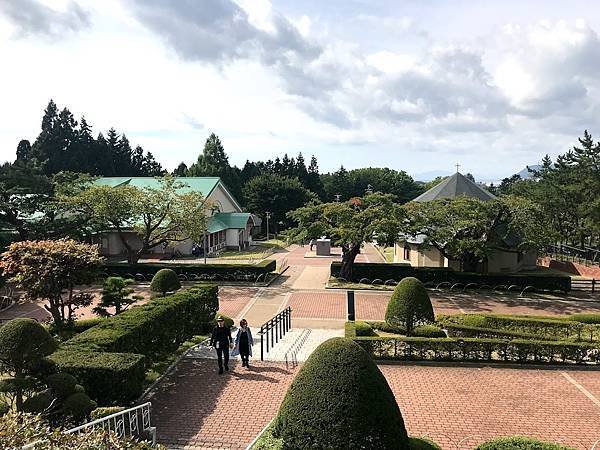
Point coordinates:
[[207, 271], [109, 359], [590, 318], [469, 349], [546, 328], [360, 328], [107, 377], [161, 324], [385, 271]]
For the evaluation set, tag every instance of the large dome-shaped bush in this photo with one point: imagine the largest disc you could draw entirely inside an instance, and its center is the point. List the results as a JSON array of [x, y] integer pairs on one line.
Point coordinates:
[[23, 343], [165, 280], [340, 399], [520, 443], [410, 305]]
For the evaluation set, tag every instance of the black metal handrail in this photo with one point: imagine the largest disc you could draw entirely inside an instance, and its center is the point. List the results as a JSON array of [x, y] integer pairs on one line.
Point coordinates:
[[587, 254], [274, 329]]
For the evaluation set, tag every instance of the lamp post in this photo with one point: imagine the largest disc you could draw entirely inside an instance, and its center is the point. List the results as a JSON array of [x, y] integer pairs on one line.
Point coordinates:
[[268, 216]]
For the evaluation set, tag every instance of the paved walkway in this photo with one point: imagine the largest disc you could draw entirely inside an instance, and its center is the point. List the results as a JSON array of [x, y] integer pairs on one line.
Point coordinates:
[[458, 407]]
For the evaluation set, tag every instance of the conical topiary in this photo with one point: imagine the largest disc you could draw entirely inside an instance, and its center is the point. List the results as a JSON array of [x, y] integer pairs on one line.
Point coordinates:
[[340, 399], [165, 280], [410, 305]]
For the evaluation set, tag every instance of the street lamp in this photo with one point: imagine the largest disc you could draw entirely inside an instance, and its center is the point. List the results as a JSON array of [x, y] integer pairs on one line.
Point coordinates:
[[268, 216]]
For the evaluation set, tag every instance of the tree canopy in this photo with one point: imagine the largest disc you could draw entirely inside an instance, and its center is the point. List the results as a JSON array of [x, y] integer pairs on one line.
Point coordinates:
[[50, 270], [158, 216], [350, 224]]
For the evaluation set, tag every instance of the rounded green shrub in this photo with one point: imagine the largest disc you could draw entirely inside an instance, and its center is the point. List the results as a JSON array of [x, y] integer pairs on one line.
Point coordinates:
[[388, 327], [415, 443], [62, 384], [519, 443], [38, 403], [340, 399], [429, 331], [23, 343], [363, 329], [589, 318], [165, 280], [79, 405], [410, 305]]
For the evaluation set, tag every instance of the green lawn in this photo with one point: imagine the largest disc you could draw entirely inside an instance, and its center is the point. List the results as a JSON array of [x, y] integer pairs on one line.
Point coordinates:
[[260, 250], [388, 252]]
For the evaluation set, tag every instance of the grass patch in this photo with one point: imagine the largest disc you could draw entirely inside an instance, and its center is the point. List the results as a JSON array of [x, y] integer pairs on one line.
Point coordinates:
[[162, 361], [259, 251], [388, 253]]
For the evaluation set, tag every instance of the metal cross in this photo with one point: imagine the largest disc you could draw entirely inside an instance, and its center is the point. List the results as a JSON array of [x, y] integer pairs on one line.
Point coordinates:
[[457, 166]]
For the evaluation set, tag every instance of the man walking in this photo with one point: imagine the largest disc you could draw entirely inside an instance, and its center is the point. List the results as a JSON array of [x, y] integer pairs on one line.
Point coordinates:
[[221, 340]]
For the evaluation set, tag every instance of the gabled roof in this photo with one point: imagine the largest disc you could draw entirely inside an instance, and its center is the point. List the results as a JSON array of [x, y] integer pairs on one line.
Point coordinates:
[[204, 185], [225, 221], [455, 186]]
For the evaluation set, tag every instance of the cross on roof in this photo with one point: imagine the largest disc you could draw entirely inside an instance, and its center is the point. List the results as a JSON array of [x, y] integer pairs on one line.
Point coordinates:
[[457, 166]]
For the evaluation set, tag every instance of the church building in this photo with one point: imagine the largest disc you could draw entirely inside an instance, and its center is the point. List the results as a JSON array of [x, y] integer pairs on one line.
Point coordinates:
[[505, 258]]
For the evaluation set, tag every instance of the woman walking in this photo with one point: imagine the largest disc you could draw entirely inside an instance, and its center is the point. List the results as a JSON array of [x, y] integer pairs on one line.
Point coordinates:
[[243, 343]]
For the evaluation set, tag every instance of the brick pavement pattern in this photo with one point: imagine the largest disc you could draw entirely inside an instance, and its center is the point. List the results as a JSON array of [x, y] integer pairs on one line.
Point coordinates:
[[197, 408], [460, 407], [372, 305], [232, 300]]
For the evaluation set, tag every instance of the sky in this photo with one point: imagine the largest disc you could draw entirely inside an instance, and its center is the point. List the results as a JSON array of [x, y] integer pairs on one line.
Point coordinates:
[[414, 85]]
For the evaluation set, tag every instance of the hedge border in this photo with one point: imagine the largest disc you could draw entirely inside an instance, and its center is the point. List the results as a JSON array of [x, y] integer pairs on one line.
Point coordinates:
[[479, 350], [390, 271]]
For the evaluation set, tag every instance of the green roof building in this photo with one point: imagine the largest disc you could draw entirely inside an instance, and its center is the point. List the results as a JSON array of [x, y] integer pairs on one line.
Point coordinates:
[[228, 226]]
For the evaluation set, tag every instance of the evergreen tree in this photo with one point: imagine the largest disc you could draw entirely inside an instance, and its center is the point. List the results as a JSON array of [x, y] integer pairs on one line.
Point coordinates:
[[213, 162], [181, 170], [23, 150]]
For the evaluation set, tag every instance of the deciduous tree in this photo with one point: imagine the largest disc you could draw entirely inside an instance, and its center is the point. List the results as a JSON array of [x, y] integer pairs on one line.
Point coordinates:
[[50, 270]]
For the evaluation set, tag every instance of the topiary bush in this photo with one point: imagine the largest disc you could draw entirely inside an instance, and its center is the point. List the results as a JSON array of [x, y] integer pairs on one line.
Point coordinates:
[[165, 280], [519, 443], [24, 345], [340, 399], [410, 305], [415, 443], [364, 329], [79, 405]]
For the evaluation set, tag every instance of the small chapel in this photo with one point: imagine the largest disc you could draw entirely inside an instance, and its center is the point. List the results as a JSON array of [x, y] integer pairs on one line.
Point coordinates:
[[504, 258]]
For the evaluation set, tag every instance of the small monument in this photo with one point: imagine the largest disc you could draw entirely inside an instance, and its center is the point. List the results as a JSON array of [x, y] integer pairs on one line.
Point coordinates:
[[323, 247]]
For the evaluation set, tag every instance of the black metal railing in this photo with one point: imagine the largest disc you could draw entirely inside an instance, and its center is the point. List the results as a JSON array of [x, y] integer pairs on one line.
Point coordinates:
[[274, 329], [592, 285], [586, 255]]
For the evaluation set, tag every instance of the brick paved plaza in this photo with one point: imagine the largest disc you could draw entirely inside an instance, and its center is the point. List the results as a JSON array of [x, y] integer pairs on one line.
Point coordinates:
[[457, 407]]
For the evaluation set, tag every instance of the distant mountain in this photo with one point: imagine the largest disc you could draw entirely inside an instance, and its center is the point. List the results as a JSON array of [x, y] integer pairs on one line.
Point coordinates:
[[525, 174], [430, 175]]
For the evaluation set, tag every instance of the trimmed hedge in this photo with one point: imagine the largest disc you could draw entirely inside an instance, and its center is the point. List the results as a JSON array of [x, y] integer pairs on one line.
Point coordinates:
[[340, 400], [161, 324], [386, 271], [520, 443], [165, 280], [363, 329], [196, 272], [500, 325], [109, 359], [470, 349], [589, 318], [108, 378], [420, 331]]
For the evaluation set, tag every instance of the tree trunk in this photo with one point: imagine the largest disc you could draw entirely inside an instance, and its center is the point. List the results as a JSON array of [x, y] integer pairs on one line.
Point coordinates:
[[349, 254], [54, 309]]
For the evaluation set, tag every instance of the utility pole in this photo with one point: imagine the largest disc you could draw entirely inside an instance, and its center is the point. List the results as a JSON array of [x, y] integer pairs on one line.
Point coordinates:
[[268, 216]]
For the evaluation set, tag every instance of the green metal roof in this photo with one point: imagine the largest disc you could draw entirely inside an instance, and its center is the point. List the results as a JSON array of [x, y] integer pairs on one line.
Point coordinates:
[[204, 185], [225, 221]]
